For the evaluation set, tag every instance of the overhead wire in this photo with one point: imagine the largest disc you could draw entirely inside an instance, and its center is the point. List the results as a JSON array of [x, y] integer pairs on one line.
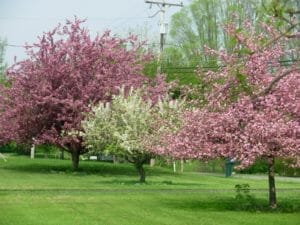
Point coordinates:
[[191, 68], [57, 18]]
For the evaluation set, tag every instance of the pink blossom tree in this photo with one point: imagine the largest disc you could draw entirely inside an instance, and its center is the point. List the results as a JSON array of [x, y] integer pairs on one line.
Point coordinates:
[[66, 71], [253, 110]]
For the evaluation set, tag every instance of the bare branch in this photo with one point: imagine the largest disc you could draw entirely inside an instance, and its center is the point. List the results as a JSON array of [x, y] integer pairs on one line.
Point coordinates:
[[292, 12], [296, 35]]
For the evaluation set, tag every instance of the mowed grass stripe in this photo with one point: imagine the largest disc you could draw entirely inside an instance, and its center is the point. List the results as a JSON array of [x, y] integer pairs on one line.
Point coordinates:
[[139, 209]]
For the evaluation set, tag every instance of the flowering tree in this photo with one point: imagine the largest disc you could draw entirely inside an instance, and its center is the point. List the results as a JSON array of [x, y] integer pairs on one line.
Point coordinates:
[[66, 71], [124, 126], [253, 110], [120, 125]]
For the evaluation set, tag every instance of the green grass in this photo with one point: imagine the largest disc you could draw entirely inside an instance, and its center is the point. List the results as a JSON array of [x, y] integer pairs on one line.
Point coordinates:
[[46, 191]]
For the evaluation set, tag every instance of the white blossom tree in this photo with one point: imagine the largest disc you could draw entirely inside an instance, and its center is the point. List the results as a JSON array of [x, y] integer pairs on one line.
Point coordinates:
[[128, 125]]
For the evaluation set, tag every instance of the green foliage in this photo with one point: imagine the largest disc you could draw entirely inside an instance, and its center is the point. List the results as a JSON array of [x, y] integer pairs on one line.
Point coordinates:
[[282, 167], [211, 166], [172, 56], [245, 201], [260, 166], [13, 147], [284, 15], [216, 166], [199, 25], [183, 76], [150, 68], [241, 87], [48, 151], [242, 191]]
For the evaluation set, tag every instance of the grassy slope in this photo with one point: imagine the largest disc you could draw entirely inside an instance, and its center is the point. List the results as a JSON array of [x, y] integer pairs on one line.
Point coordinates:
[[162, 200]]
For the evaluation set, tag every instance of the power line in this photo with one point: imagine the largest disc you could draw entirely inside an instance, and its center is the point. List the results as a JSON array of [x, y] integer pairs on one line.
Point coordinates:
[[188, 69], [17, 46], [58, 18], [119, 22], [182, 67]]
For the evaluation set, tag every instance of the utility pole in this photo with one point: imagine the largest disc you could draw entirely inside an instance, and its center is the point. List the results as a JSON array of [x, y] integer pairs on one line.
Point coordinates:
[[163, 6], [162, 25]]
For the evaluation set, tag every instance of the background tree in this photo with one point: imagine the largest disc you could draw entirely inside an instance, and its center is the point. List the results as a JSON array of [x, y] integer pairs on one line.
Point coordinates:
[[65, 72], [252, 110], [285, 16], [200, 24], [197, 26]]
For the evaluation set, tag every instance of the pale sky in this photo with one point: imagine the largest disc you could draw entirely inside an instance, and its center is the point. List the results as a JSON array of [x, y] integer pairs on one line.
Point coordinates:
[[22, 21]]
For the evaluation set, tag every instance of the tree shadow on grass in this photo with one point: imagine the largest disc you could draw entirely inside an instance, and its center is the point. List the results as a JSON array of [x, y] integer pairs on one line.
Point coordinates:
[[165, 184], [85, 168], [100, 169], [232, 204]]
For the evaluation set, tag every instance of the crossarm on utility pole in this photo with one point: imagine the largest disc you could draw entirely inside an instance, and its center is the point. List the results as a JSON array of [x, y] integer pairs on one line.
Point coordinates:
[[164, 3]]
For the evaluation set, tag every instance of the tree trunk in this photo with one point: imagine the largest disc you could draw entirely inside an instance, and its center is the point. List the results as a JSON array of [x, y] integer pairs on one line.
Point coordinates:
[[75, 159], [272, 190], [141, 171]]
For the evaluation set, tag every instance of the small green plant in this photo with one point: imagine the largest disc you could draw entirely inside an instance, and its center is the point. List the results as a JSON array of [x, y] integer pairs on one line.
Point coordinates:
[[242, 191], [244, 200]]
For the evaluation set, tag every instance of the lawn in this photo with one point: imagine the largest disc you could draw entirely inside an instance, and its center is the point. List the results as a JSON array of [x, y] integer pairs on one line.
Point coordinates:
[[46, 191]]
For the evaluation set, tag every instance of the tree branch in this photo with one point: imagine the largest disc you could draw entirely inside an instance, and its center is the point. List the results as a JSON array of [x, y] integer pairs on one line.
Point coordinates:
[[284, 34], [275, 81], [292, 12]]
